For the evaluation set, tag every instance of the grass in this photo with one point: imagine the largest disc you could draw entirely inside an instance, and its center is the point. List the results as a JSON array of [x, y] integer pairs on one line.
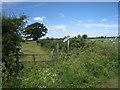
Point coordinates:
[[92, 67], [31, 47], [71, 71], [110, 83]]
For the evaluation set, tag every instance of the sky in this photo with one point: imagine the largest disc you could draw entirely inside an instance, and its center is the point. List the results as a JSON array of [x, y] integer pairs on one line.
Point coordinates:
[[60, 0], [69, 18]]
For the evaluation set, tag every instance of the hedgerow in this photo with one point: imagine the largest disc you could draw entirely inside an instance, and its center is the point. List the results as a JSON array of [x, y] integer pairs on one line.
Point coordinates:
[[11, 39], [52, 43]]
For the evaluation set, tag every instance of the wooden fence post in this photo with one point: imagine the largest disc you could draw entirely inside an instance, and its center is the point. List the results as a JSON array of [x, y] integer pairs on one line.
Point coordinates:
[[57, 48], [52, 52], [17, 59], [34, 59]]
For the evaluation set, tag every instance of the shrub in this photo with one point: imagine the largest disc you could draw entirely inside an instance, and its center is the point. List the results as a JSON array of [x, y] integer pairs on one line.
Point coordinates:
[[11, 39], [74, 43]]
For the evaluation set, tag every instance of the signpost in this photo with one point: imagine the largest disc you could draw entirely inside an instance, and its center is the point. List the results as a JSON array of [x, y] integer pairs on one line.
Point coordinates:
[[57, 48], [68, 41], [52, 53]]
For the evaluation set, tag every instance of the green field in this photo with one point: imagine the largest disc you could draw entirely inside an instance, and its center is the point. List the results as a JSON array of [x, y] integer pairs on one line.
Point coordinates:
[[31, 47], [91, 67]]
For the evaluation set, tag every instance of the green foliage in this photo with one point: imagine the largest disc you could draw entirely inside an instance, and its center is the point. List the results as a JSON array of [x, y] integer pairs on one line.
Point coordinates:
[[84, 36], [46, 43], [11, 38], [78, 36], [77, 43], [35, 31], [80, 68], [52, 43]]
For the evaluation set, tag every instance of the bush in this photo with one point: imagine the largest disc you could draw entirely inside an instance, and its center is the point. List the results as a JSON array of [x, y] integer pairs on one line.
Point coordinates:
[[11, 39], [77, 43], [74, 43]]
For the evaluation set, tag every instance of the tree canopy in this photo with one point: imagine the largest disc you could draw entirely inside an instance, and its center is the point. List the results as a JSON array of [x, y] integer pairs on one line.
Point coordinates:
[[84, 36], [79, 36], [35, 31]]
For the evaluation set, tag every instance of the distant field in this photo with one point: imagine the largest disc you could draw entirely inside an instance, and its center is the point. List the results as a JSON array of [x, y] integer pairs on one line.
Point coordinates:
[[31, 47]]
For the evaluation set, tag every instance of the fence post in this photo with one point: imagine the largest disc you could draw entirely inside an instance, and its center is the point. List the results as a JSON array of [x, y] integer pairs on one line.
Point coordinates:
[[17, 59], [52, 52], [34, 59], [57, 48], [68, 44]]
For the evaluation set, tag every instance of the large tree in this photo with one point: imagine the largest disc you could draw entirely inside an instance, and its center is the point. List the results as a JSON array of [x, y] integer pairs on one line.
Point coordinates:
[[84, 36], [35, 31]]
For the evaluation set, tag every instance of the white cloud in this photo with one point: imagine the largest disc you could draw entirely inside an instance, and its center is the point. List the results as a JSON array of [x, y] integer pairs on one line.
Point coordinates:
[[97, 25], [39, 18], [58, 27], [90, 20], [62, 15], [104, 19]]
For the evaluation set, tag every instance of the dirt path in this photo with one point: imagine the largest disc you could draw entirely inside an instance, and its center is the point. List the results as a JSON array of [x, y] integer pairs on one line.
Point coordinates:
[[110, 83], [31, 47]]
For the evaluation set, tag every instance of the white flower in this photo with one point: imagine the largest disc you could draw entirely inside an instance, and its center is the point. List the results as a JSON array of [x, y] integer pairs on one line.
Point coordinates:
[[55, 74], [44, 78], [46, 70]]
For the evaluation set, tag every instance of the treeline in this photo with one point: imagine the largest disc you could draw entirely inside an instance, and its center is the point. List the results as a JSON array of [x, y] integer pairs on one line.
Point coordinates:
[[102, 37]]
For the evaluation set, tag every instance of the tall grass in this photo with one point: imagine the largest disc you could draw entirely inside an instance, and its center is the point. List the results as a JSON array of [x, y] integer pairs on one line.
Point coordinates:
[[81, 68]]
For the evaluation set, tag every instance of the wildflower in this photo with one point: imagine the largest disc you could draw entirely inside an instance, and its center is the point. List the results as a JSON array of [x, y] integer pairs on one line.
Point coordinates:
[[55, 74], [44, 78]]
